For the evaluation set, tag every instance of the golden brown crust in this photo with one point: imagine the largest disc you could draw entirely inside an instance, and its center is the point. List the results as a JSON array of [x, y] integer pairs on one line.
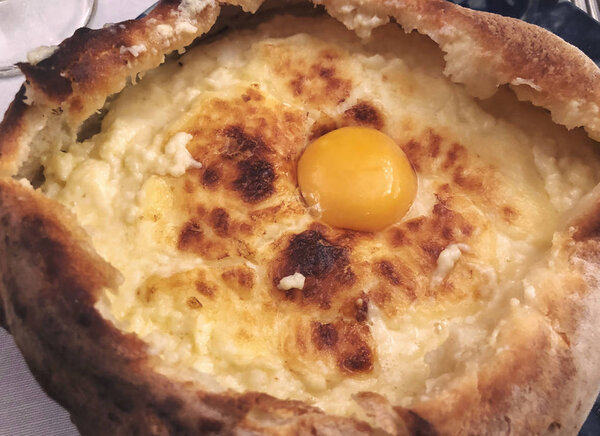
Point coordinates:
[[95, 63], [51, 276], [76, 79], [10, 130]]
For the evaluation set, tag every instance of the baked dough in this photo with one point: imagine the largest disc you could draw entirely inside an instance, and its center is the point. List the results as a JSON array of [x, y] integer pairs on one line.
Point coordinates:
[[164, 298]]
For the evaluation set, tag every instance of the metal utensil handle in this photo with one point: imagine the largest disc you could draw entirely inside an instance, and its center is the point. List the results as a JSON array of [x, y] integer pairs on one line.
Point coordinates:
[[591, 7], [594, 9]]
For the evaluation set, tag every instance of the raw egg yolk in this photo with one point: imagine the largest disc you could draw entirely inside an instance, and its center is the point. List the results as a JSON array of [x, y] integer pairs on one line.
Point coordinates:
[[357, 178]]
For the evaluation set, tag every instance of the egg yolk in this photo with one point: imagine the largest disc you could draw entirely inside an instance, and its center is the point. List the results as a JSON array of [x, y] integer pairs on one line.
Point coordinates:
[[357, 178]]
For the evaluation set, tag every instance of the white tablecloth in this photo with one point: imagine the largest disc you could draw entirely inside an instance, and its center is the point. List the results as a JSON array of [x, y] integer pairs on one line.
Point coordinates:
[[24, 408]]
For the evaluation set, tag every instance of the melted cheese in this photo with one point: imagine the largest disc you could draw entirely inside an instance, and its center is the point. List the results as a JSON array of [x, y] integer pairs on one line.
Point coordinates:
[[222, 305]]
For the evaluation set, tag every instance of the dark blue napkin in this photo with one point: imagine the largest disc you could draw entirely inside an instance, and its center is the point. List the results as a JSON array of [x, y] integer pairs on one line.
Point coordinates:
[[591, 427]]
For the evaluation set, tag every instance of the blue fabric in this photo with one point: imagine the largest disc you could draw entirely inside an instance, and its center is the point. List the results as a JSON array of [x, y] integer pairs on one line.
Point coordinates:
[[592, 423]]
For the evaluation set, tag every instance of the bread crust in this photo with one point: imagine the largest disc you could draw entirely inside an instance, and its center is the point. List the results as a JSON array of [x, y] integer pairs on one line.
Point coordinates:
[[52, 276]]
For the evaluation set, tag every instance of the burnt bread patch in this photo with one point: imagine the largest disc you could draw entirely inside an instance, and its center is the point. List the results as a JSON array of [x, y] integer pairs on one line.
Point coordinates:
[[93, 64]]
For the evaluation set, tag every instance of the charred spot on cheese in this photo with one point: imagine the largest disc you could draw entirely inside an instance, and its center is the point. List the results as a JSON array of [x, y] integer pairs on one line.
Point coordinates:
[[245, 145], [509, 214], [325, 265], [433, 145], [239, 279], [191, 234], [255, 180], [431, 153], [322, 83], [315, 77], [358, 360], [324, 335], [364, 114], [211, 176], [219, 220], [240, 143], [418, 242], [399, 281], [178, 286], [213, 234], [348, 343], [386, 269], [255, 173], [468, 179], [320, 128], [313, 255], [205, 288], [432, 233], [240, 276], [193, 238], [146, 294], [395, 275], [424, 152], [194, 303], [454, 156]]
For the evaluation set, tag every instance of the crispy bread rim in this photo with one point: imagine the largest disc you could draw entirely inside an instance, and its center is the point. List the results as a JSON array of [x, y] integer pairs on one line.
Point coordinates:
[[51, 276]]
